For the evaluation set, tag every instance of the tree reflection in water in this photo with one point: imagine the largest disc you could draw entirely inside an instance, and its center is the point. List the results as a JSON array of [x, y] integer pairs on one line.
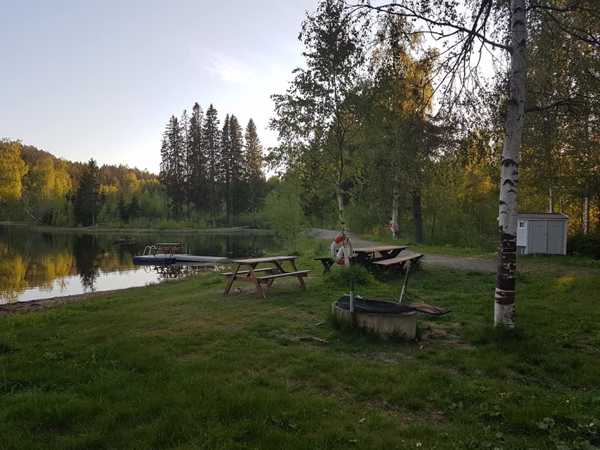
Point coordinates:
[[36, 264], [176, 271], [86, 251]]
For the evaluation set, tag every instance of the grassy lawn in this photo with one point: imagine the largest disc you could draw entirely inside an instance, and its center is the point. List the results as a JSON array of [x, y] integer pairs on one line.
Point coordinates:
[[178, 366], [537, 263], [432, 249]]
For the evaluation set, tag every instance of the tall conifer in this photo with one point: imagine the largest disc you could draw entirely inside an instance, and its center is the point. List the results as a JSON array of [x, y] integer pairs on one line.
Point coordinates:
[[197, 183], [172, 171], [212, 150], [253, 175], [236, 168], [87, 198], [225, 169]]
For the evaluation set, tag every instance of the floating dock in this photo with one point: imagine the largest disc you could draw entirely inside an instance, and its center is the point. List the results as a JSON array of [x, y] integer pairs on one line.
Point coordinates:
[[167, 258]]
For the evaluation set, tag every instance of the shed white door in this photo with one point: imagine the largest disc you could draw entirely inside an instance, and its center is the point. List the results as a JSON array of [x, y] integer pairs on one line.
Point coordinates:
[[556, 241], [538, 237]]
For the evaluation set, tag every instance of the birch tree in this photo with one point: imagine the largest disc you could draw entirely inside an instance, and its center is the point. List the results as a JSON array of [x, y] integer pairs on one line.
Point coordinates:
[[12, 170], [399, 102], [466, 33], [316, 106]]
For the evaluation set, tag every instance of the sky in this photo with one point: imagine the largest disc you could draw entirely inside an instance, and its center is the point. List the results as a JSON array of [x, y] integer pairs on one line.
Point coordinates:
[[100, 78]]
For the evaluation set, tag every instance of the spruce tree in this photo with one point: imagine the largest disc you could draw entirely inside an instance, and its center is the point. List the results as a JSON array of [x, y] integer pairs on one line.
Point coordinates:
[[212, 150], [197, 184], [236, 168], [87, 198], [173, 167], [253, 176], [225, 169], [184, 176]]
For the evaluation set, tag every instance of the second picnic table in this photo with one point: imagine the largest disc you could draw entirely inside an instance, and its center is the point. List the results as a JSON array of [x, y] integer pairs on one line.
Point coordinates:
[[276, 270], [378, 252], [366, 255], [382, 256]]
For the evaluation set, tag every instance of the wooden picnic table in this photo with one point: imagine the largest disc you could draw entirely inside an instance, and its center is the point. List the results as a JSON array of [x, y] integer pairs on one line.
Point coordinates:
[[378, 252], [366, 255], [276, 270]]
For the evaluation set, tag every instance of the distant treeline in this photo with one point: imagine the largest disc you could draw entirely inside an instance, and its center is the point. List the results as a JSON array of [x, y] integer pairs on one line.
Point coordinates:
[[212, 170], [209, 175], [35, 186]]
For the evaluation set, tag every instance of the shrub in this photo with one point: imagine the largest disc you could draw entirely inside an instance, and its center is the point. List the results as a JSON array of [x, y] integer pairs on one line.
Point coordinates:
[[284, 214], [343, 276], [584, 244]]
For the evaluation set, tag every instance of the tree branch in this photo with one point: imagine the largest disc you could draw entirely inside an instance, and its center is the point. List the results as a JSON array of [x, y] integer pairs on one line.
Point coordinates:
[[402, 10]]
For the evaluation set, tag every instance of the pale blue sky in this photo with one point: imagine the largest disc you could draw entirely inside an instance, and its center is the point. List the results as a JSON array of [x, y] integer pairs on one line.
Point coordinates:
[[100, 78]]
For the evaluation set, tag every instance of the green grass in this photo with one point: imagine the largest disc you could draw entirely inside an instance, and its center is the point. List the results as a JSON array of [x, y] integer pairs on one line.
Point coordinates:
[[539, 263], [433, 249], [178, 366], [546, 264]]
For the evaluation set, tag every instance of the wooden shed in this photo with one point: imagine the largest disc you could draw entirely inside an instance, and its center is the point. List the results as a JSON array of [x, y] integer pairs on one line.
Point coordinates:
[[542, 234]]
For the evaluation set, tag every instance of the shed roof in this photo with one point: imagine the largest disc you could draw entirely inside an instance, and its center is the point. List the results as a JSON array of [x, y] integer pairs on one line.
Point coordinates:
[[542, 216]]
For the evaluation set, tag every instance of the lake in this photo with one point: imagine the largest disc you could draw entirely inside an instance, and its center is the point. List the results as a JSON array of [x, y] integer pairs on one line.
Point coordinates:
[[36, 265]]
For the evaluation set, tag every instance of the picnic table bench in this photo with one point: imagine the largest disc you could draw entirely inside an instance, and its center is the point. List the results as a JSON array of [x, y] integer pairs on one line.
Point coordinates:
[[274, 272], [377, 252], [399, 261], [366, 255]]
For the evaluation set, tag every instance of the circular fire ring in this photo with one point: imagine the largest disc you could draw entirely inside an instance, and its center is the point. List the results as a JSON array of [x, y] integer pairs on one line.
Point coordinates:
[[383, 318]]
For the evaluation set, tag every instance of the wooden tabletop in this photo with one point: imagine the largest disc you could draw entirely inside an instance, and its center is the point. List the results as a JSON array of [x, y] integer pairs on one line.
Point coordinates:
[[266, 259], [380, 248]]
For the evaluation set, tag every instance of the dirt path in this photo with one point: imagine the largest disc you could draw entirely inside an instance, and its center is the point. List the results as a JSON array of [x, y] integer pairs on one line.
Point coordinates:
[[478, 264], [453, 262]]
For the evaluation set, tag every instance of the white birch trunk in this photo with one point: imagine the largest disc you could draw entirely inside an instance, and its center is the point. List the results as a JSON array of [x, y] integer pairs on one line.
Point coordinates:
[[504, 306], [550, 200]]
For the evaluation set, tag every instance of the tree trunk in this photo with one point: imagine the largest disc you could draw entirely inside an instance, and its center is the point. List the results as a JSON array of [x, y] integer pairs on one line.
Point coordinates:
[[586, 215], [550, 200], [598, 216], [340, 203], [395, 198], [417, 216], [504, 308]]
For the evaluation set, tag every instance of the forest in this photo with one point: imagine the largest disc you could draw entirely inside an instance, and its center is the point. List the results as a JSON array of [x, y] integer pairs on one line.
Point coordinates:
[[209, 176], [211, 171], [37, 187], [380, 125]]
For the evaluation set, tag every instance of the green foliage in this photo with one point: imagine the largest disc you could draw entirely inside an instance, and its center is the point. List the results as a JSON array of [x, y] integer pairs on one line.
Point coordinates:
[[173, 163], [344, 277], [284, 214], [585, 245], [255, 179], [315, 114], [49, 186], [12, 170], [367, 130], [210, 171], [87, 198]]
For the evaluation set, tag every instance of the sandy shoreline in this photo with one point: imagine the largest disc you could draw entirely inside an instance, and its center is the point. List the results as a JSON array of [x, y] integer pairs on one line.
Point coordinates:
[[42, 304]]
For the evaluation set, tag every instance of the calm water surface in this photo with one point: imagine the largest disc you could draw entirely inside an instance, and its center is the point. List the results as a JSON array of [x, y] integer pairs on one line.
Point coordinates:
[[36, 265]]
